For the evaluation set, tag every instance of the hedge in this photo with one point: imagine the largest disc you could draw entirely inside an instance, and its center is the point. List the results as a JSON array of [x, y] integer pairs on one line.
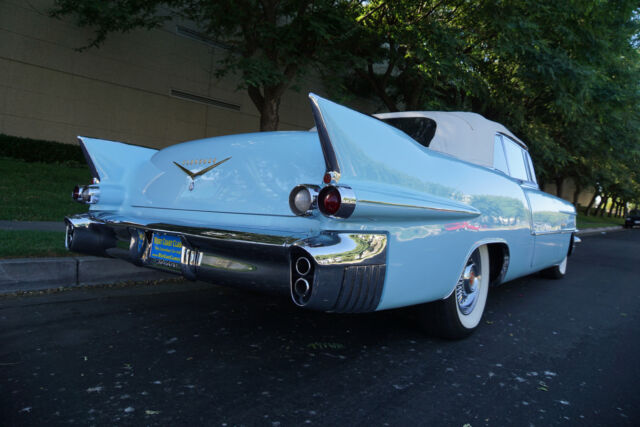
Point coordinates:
[[38, 150]]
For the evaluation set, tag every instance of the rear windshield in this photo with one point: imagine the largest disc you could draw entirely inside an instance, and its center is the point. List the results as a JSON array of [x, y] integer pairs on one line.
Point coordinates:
[[421, 129]]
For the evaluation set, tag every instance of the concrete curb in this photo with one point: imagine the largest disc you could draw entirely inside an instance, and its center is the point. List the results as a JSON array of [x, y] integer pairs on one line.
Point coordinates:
[[601, 230], [34, 274]]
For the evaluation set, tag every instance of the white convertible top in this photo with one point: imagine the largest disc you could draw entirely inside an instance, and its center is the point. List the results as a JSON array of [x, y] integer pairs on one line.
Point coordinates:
[[467, 136]]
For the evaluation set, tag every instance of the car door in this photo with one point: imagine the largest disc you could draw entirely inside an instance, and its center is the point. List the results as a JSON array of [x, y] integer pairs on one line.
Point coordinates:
[[550, 216]]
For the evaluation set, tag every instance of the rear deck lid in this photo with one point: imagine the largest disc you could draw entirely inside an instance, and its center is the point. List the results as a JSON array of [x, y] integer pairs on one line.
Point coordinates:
[[247, 173]]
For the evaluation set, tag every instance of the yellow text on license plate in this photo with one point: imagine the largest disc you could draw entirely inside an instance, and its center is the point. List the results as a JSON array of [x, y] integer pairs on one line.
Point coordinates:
[[166, 247]]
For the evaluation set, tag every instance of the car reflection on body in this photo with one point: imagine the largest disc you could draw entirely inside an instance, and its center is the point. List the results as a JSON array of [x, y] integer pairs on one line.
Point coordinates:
[[360, 214]]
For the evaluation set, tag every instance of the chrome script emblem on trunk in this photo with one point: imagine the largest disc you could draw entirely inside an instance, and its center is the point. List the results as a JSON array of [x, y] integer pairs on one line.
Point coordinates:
[[194, 175]]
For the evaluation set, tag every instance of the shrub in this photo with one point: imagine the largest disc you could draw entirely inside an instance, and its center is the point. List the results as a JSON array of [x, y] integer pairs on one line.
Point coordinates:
[[37, 150]]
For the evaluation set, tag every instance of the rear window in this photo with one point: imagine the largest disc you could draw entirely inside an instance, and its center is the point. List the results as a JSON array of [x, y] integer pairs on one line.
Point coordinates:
[[422, 129]]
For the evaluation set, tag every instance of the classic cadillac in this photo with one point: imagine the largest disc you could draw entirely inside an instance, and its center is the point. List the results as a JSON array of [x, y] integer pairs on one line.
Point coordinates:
[[359, 214]]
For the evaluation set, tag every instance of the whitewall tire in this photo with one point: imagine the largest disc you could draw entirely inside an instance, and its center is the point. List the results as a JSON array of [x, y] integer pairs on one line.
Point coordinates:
[[460, 314]]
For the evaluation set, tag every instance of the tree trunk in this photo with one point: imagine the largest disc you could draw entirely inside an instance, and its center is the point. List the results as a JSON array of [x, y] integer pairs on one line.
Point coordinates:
[[590, 205], [559, 186], [614, 208], [269, 117], [576, 194], [603, 203], [268, 105]]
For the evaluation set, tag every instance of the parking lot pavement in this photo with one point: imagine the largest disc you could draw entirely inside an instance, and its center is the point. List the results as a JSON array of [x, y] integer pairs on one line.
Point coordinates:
[[548, 352]]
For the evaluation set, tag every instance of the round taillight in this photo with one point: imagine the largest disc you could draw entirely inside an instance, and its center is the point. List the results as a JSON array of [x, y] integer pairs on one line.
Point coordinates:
[[327, 178], [75, 195], [302, 199], [330, 200]]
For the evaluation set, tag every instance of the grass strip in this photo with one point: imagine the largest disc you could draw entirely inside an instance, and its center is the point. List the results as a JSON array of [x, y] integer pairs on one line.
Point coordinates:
[[597, 221], [39, 191], [29, 243]]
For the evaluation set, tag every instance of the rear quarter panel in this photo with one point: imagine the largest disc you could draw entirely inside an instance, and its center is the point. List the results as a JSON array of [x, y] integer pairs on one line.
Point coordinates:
[[436, 210]]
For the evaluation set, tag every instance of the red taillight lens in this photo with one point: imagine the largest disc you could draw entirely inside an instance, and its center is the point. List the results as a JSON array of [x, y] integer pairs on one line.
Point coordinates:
[[330, 200], [75, 195]]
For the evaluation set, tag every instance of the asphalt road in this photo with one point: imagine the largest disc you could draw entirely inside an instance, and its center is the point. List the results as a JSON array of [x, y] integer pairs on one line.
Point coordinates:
[[548, 352]]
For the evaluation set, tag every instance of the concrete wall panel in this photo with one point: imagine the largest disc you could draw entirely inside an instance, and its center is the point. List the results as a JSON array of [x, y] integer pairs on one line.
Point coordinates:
[[120, 91]]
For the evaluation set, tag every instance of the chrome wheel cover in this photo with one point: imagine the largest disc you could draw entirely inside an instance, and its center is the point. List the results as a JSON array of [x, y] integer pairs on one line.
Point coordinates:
[[468, 286]]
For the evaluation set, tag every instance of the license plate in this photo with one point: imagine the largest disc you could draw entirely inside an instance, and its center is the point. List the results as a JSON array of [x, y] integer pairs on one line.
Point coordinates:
[[166, 247]]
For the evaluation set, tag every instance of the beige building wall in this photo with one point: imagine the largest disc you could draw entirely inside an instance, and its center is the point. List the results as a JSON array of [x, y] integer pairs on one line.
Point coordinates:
[[121, 91]]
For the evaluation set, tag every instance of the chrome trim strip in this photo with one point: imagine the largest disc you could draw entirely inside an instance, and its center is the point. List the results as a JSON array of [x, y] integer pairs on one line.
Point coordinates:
[[514, 139], [543, 233], [202, 210], [400, 205]]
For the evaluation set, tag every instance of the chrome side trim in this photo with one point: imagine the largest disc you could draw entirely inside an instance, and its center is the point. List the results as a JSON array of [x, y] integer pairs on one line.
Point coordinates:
[[209, 211], [430, 208], [544, 233]]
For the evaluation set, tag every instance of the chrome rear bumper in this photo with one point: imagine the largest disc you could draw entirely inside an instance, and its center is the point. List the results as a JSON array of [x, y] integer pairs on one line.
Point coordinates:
[[345, 270]]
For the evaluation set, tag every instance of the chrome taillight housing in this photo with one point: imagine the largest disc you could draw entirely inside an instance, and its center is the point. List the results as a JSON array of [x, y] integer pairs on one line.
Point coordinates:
[[337, 201], [303, 199], [89, 194]]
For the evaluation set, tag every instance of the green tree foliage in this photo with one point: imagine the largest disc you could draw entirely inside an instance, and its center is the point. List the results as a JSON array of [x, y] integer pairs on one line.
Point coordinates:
[[562, 75], [271, 43]]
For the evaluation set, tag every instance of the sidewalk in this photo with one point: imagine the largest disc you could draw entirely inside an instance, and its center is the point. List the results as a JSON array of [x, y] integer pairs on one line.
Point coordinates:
[[33, 225], [33, 274]]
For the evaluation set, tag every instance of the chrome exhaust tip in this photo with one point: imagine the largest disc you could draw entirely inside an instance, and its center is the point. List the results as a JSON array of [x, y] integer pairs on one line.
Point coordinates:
[[301, 292], [303, 266]]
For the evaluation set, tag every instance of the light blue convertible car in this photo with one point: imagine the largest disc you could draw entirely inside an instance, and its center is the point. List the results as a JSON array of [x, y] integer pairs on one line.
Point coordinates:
[[360, 214]]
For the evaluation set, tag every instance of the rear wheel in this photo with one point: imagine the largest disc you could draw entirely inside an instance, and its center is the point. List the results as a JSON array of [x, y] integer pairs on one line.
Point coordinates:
[[458, 316]]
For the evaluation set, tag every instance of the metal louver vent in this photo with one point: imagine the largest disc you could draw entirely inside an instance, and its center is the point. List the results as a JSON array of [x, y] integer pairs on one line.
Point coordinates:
[[204, 100], [361, 289], [198, 36]]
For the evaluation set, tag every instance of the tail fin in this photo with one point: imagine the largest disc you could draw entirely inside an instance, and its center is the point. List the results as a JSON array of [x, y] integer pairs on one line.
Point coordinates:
[[111, 160], [355, 145]]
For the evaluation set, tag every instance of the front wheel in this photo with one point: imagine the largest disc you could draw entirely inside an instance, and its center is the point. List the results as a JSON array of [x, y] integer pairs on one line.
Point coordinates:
[[458, 315], [557, 271]]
